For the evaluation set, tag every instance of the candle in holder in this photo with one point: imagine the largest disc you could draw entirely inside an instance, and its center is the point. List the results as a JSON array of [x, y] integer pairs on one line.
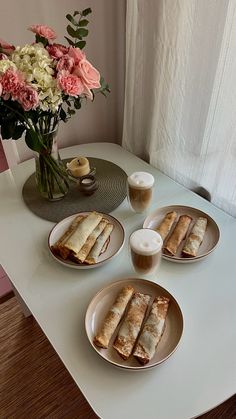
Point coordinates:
[[78, 167]]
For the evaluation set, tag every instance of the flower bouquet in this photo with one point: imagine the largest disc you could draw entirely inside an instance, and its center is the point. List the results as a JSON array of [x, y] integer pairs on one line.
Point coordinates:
[[42, 84]]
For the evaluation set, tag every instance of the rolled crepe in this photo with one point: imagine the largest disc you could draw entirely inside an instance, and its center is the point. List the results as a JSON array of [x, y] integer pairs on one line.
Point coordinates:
[[178, 234], [131, 325], [195, 238], [58, 247], [97, 248], [82, 232], [113, 317], [152, 331], [165, 226], [84, 251]]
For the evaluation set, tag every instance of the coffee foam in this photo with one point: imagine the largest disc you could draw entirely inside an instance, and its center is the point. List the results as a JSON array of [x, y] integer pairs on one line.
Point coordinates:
[[146, 242], [141, 180]]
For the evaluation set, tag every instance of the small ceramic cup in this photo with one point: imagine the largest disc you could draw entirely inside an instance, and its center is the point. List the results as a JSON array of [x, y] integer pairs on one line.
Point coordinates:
[[88, 184]]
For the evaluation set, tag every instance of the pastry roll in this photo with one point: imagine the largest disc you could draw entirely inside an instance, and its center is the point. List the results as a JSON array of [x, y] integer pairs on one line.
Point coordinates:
[[113, 317], [83, 230], [178, 234], [195, 238], [58, 247], [165, 226], [84, 251], [152, 331], [131, 325], [97, 248]]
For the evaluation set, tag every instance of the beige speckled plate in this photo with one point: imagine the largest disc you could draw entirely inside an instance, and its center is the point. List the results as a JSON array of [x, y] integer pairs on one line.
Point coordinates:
[[211, 237], [102, 302], [115, 245]]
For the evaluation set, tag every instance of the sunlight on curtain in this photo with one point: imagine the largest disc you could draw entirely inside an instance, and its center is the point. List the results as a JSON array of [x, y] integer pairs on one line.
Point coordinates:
[[180, 101]]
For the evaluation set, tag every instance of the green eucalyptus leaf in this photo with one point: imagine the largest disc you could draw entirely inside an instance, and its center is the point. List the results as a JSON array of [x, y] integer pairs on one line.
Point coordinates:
[[80, 44], [7, 130], [18, 132], [69, 41], [32, 140], [77, 104], [87, 11], [72, 32], [103, 93], [62, 115], [102, 81], [72, 20], [41, 39], [81, 32], [83, 22]]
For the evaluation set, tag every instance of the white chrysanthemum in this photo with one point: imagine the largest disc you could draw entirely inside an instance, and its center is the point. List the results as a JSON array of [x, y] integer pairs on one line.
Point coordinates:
[[5, 64], [38, 68]]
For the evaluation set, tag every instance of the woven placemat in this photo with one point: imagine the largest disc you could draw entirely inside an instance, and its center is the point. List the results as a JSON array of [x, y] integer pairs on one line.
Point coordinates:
[[110, 193]]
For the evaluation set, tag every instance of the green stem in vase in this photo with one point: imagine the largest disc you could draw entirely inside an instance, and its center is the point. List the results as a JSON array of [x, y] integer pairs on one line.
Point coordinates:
[[56, 173], [52, 177]]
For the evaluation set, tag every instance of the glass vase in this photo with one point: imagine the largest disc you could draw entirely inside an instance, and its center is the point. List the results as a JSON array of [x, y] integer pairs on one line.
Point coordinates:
[[51, 176]]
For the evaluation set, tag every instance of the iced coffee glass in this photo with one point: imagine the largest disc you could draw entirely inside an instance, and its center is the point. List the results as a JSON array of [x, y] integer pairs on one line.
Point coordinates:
[[139, 191], [145, 248]]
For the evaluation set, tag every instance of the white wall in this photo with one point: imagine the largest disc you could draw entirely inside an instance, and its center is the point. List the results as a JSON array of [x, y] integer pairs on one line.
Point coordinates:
[[98, 121]]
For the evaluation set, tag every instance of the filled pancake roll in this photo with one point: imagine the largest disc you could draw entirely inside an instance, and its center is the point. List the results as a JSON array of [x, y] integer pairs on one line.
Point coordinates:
[[165, 226], [82, 232], [152, 331], [195, 238], [59, 247], [85, 249], [131, 325], [113, 317], [178, 234], [98, 246]]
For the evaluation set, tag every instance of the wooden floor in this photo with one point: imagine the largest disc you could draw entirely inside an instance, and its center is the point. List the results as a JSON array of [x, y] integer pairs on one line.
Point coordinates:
[[34, 383]]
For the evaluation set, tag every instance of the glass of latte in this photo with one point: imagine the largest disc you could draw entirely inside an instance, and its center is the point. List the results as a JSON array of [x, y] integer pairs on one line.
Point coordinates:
[[139, 191], [146, 249]]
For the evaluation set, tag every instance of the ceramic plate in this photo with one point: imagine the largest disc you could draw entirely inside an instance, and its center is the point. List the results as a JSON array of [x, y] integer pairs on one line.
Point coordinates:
[[102, 302], [115, 245], [210, 240]]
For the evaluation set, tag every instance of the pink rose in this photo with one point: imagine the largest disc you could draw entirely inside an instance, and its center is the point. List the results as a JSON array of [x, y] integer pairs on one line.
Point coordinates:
[[65, 63], [70, 84], [5, 47], [89, 74], [44, 31], [28, 98], [57, 50], [0, 89], [3, 56], [12, 82], [76, 54], [87, 93]]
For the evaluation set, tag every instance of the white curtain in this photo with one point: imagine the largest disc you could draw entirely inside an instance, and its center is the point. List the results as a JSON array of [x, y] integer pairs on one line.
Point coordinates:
[[180, 100]]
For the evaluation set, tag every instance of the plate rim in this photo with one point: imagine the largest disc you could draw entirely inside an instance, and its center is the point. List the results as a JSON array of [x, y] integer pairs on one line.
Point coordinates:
[[127, 367], [83, 266], [191, 259]]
